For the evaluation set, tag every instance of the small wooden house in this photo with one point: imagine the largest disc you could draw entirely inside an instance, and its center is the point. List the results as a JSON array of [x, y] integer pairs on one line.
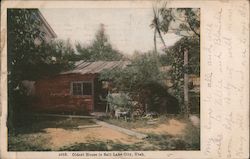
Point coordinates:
[[76, 91]]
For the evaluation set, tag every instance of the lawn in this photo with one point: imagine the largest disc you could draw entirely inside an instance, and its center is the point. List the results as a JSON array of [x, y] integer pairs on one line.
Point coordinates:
[[31, 134], [61, 134], [165, 133]]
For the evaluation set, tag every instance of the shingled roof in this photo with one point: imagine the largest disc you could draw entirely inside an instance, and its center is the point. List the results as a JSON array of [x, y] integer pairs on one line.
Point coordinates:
[[83, 67]]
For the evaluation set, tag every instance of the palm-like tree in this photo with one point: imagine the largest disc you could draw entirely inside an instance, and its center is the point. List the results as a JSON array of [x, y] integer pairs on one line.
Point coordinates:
[[189, 23], [157, 24]]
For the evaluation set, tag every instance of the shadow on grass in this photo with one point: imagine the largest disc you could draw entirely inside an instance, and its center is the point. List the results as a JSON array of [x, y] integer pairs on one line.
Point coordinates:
[[26, 147], [35, 124]]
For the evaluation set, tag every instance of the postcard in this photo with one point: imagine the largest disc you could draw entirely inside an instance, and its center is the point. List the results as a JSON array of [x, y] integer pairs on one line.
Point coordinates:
[[124, 79]]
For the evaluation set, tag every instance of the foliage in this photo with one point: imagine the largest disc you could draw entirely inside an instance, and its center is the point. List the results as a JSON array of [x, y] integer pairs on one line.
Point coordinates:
[[142, 70], [27, 60], [184, 22], [159, 100], [100, 49], [192, 17], [48, 59], [176, 60], [140, 79], [164, 59], [119, 101]]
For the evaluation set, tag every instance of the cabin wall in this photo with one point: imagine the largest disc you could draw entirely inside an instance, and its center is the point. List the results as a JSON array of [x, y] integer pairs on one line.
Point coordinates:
[[53, 95]]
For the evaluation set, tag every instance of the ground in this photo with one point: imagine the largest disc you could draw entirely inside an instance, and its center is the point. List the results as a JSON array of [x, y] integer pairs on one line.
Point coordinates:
[[53, 133]]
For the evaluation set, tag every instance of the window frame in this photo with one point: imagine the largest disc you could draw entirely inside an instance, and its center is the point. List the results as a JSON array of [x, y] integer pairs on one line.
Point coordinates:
[[81, 82]]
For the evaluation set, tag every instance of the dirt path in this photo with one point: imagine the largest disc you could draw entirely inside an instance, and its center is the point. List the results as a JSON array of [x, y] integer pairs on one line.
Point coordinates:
[[56, 138], [122, 130], [61, 137]]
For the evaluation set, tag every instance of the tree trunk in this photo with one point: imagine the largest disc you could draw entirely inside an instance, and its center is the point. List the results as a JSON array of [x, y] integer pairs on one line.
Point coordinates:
[[155, 42], [162, 40], [186, 96]]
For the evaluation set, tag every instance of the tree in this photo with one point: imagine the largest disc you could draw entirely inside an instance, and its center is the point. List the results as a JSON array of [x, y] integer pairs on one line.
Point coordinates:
[[183, 22], [144, 82], [28, 61], [157, 26], [176, 56], [100, 49], [142, 70]]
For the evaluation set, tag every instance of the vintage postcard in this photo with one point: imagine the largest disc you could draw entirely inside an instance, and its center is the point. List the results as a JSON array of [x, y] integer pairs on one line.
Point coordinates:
[[124, 79]]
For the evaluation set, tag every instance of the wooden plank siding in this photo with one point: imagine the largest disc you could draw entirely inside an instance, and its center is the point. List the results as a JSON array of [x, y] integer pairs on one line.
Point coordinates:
[[54, 94]]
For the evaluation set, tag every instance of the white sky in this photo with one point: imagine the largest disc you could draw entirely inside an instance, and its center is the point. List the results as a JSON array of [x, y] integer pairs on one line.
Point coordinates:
[[128, 29]]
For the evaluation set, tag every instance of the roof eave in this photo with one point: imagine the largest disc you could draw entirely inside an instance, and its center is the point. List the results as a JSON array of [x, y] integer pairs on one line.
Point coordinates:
[[47, 25]]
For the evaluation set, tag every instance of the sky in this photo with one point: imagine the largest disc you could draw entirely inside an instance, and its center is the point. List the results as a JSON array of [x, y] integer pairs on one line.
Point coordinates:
[[128, 29]]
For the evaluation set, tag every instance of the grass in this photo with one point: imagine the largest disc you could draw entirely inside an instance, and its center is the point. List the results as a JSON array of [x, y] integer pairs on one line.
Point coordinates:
[[108, 145], [153, 142], [166, 142], [127, 124], [37, 124], [189, 141], [138, 123], [29, 136], [24, 143], [94, 146], [192, 137]]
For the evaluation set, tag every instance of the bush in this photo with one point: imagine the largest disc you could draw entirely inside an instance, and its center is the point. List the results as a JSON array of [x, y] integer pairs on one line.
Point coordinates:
[[159, 100], [144, 82]]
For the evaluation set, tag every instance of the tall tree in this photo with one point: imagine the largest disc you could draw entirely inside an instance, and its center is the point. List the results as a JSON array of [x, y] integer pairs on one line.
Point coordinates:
[[27, 60], [156, 24], [183, 22], [180, 68], [100, 49]]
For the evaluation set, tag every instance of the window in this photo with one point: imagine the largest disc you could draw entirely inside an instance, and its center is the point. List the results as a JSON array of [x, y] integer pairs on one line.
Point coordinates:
[[81, 88], [43, 35], [77, 89]]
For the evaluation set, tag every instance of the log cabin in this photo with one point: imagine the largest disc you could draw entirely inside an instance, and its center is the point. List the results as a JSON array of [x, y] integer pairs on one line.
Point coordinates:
[[77, 91]]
